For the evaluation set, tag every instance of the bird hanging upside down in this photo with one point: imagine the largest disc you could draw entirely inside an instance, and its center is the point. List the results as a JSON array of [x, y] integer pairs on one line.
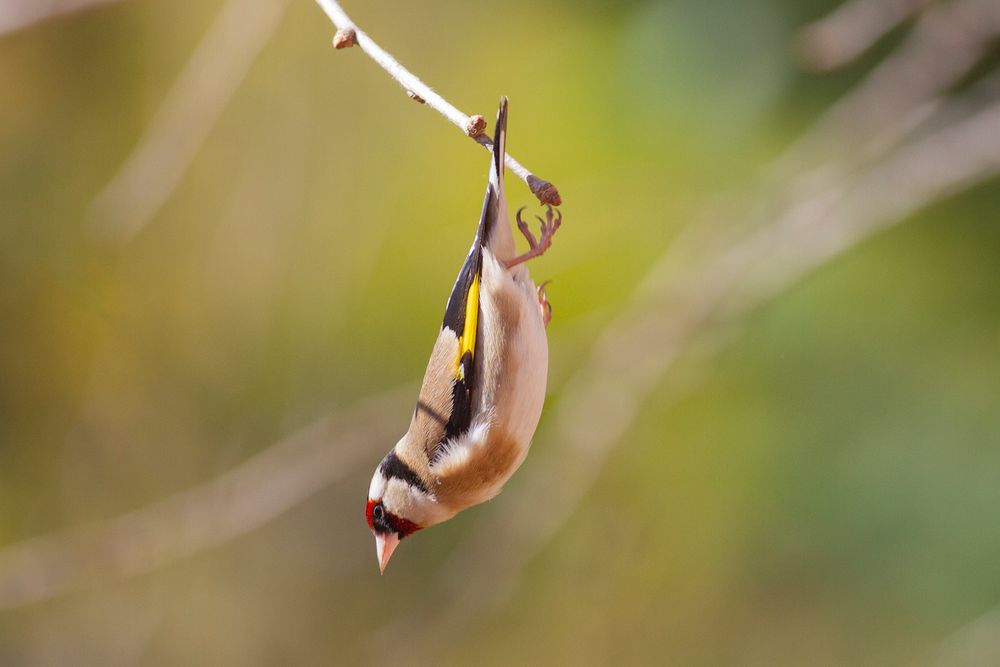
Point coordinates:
[[484, 386]]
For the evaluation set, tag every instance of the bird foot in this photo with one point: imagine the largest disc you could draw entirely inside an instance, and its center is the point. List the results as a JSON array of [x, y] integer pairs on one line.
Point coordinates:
[[537, 246], [543, 303]]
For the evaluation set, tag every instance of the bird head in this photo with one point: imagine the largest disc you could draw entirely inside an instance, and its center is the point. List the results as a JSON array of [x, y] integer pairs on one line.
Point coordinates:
[[399, 504], [388, 527]]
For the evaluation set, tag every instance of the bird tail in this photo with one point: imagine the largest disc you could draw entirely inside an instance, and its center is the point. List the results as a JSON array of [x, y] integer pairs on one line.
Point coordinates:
[[493, 233], [494, 225]]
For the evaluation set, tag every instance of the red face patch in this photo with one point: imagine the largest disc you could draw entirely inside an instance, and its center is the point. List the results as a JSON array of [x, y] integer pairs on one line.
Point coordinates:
[[382, 521]]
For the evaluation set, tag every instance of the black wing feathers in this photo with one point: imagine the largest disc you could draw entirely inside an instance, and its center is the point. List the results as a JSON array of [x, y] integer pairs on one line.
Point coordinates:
[[459, 308]]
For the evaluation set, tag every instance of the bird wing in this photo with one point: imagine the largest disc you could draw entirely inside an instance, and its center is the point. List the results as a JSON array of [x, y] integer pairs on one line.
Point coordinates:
[[461, 320], [441, 415]]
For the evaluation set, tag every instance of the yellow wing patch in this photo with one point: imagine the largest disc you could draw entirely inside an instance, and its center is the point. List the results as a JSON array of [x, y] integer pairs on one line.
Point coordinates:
[[467, 341]]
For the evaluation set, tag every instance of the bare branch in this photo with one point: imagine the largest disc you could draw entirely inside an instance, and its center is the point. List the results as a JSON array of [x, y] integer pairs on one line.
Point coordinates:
[[545, 191], [665, 323], [202, 91], [17, 15], [235, 503]]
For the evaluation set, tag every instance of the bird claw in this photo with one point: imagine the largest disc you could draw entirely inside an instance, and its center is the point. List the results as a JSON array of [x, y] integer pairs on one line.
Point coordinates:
[[537, 247], [543, 303], [525, 230]]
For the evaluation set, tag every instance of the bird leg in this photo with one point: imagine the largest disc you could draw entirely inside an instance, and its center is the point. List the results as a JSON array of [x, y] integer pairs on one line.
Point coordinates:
[[543, 303], [537, 247]]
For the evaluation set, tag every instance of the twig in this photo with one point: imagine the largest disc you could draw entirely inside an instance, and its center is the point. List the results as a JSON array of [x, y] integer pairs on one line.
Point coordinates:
[[200, 94], [349, 33], [664, 325], [237, 502], [20, 14]]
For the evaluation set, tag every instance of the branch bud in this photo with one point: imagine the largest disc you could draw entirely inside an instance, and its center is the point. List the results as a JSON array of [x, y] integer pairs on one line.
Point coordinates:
[[545, 191], [345, 37], [476, 126]]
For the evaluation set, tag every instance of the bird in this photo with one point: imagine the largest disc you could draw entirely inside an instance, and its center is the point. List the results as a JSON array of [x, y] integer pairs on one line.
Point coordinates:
[[482, 393]]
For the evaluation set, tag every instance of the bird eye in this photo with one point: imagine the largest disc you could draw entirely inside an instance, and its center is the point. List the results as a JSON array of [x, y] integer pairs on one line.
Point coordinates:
[[378, 513]]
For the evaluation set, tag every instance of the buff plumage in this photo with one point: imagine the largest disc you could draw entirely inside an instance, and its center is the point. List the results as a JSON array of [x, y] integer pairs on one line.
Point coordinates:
[[482, 392]]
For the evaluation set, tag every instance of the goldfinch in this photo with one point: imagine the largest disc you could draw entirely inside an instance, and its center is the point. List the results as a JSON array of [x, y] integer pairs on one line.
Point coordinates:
[[482, 393]]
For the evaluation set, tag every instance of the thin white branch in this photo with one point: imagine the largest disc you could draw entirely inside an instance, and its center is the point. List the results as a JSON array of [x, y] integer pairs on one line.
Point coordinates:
[[202, 91], [385, 60], [235, 503], [665, 323], [348, 31], [17, 15]]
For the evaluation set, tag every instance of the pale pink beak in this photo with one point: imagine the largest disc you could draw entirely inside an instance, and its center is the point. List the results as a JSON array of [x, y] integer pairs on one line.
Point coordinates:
[[384, 546]]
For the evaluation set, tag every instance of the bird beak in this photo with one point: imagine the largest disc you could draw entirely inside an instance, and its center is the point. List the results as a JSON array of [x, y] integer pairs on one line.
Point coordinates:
[[385, 544]]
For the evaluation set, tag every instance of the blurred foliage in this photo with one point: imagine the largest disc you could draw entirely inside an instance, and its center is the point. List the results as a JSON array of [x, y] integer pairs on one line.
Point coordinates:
[[825, 491]]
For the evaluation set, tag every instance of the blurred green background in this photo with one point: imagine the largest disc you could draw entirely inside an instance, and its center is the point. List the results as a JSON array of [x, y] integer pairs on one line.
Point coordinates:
[[824, 490]]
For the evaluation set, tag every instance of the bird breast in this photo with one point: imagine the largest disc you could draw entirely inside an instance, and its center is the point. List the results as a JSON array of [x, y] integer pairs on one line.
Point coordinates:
[[512, 369]]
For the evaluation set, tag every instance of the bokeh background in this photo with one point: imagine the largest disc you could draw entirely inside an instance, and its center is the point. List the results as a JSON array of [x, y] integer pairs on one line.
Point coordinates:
[[769, 439]]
